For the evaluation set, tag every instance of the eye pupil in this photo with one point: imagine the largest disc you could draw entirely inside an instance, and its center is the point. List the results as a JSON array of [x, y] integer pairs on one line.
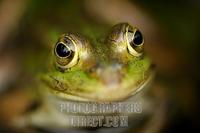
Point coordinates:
[[62, 50], [138, 39]]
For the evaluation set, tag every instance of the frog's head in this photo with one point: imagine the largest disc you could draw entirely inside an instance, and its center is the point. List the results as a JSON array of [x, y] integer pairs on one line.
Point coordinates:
[[106, 70]]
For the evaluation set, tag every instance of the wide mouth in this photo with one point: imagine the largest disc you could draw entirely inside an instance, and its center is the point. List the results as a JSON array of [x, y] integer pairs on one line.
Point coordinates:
[[119, 94]]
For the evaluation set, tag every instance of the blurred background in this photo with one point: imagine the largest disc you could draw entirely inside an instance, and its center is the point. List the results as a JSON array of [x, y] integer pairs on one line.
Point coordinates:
[[172, 40]]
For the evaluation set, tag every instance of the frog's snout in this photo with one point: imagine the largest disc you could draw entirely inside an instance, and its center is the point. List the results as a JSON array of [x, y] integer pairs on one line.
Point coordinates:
[[111, 75]]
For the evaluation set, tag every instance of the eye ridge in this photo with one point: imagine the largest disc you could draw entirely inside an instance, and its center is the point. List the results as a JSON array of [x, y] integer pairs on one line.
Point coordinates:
[[130, 31], [67, 40]]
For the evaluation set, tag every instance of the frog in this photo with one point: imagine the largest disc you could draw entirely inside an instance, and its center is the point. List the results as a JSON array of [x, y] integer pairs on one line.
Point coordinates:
[[84, 71], [86, 66], [80, 70]]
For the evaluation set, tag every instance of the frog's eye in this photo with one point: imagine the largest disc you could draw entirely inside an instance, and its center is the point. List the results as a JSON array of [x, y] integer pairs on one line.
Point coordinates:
[[62, 50], [135, 41], [65, 52]]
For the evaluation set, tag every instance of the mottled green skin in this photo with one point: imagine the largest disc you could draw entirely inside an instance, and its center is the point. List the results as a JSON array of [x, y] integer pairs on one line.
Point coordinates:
[[105, 70]]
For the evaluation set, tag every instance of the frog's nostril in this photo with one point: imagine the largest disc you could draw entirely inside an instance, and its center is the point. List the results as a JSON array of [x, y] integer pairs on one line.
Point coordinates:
[[96, 69]]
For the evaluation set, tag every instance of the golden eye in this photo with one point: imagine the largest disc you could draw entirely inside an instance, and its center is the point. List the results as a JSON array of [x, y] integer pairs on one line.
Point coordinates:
[[66, 52], [135, 41]]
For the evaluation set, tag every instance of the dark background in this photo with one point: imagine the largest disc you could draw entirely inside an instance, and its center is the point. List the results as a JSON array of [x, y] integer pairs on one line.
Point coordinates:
[[171, 29]]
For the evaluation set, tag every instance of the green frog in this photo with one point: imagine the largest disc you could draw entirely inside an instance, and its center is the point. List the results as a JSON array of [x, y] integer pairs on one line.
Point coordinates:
[[109, 70], [92, 71], [88, 65]]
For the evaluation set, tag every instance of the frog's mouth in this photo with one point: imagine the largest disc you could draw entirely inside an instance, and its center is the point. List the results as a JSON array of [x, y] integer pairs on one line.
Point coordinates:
[[100, 93]]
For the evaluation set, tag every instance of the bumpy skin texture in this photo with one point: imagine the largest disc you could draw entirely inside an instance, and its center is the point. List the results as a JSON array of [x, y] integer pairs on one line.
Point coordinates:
[[109, 69]]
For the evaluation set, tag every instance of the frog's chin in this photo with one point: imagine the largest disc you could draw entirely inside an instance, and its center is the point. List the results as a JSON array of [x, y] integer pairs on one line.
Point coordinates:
[[114, 93]]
